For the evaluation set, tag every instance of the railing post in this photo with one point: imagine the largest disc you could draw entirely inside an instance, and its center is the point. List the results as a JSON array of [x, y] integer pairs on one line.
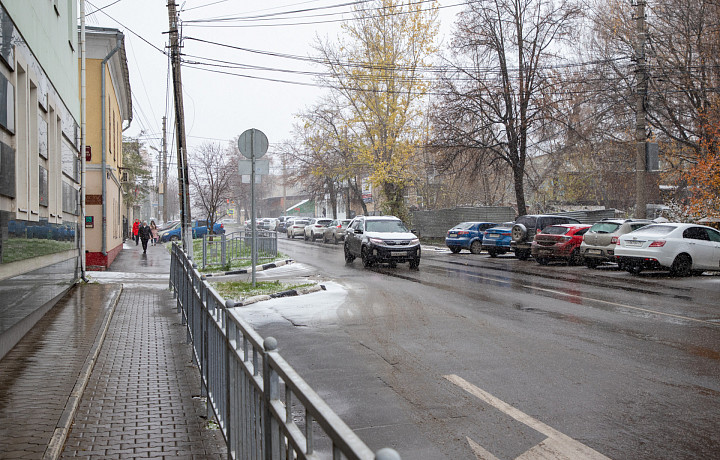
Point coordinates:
[[204, 251], [270, 388], [387, 453], [223, 256]]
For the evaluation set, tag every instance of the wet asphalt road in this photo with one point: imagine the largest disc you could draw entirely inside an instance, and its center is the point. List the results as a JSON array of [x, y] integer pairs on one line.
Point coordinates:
[[471, 357]]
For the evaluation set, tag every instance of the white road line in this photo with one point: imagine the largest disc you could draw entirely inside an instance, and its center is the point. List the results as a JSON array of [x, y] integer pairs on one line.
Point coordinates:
[[480, 451], [557, 446], [629, 307]]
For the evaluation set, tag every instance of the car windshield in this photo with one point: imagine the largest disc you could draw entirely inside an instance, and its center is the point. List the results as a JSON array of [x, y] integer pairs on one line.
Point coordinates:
[[463, 226], [385, 226], [552, 230], [654, 230], [604, 227], [301, 222]]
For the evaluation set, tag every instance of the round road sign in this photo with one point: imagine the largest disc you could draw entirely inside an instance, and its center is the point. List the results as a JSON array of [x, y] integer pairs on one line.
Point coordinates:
[[253, 142]]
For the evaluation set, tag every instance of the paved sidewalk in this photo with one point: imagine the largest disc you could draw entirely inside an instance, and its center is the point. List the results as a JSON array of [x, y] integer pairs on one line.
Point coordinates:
[[139, 401]]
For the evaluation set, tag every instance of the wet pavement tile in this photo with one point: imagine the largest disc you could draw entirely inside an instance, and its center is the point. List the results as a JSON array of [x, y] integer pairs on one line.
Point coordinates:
[[38, 375]]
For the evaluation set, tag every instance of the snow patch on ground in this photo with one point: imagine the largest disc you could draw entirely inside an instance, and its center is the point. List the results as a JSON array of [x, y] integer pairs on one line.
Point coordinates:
[[315, 309]]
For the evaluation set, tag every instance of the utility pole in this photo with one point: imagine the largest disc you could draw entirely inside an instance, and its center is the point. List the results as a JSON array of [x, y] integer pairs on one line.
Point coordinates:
[[641, 89], [183, 177], [164, 171]]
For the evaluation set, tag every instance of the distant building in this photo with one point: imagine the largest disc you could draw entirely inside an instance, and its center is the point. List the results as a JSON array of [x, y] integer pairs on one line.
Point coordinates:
[[109, 104], [39, 160]]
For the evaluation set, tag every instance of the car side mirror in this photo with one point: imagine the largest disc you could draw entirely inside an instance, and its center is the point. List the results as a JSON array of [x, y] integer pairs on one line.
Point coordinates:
[[358, 231]]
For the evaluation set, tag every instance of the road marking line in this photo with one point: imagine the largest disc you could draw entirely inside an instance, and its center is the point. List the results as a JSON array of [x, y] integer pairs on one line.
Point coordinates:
[[557, 446], [479, 451], [629, 307]]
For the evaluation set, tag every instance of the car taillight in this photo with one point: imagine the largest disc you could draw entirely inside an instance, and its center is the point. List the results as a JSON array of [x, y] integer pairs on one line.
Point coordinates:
[[506, 234], [614, 240], [657, 244], [463, 233]]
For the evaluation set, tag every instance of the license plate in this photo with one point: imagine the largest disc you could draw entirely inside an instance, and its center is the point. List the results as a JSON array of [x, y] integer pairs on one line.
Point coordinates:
[[594, 251], [398, 254], [633, 243], [452, 235]]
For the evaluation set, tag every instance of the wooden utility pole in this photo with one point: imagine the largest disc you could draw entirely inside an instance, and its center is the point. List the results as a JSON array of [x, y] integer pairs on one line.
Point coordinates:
[[183, 177], [641, 89], [164, 171]]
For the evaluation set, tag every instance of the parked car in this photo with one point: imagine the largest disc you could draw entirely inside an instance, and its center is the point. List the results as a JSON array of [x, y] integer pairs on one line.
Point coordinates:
[[599, 242], [467, 235], [281, 224], [199, 228], [496, 240], [335, 231], [559, 242], [525, 228], [378, 239], [315, 227], [682, 248], [296, 227]]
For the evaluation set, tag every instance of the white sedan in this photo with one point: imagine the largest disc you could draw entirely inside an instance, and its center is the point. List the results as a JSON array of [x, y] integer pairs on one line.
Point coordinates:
[[684, 249]]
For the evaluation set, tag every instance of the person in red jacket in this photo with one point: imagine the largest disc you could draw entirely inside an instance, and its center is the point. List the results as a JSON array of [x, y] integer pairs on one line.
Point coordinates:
[[136, 226]]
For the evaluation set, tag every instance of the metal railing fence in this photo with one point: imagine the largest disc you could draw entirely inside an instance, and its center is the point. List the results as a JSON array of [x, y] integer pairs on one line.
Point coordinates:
[[221, 250], [265, 410]]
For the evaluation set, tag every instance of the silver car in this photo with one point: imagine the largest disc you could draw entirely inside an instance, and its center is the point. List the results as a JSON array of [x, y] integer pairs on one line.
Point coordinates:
[[599, 242], [336, 231], [296, 227]]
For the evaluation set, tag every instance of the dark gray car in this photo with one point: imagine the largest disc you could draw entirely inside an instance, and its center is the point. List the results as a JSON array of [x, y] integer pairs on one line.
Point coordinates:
[[378, 239]]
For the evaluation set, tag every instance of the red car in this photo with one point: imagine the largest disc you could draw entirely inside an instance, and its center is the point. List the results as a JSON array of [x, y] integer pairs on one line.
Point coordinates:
[[559, 242]]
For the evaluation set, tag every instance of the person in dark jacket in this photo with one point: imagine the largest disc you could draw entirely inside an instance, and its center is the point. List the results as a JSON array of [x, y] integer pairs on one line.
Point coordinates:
[[144, 233]]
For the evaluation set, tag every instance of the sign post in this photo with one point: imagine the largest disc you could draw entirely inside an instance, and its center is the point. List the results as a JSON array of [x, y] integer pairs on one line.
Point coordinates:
[[253, 144]]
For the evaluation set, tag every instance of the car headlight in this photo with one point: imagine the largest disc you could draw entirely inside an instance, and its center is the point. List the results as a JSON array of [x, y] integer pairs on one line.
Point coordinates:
[[415, 241], [377, 241]]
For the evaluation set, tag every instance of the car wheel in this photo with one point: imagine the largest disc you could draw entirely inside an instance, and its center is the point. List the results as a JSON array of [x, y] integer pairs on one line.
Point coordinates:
[[287, 234], [414, 264], [476, 247], [335, 241], [492, 252], [522, 254], [454, 249], [592, 263], [324, 238], [575, 258], [366, 258], [681, 266], [542, 260], [348, 257]]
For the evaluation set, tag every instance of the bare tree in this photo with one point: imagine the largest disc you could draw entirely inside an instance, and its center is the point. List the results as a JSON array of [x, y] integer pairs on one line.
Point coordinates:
[[495, 96], [212, 169]]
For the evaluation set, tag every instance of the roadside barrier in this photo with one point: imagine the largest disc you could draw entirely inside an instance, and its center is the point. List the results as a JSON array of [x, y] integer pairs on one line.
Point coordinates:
[[265, 410], [221, 250]]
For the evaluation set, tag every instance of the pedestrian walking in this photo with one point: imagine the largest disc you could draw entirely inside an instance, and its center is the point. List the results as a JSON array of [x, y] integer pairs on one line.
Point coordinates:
[[136, 226], [144, 234], [153, 232]]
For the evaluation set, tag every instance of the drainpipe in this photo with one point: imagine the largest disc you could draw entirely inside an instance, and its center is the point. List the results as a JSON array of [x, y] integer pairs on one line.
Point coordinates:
[[83, 116], [119, 38]]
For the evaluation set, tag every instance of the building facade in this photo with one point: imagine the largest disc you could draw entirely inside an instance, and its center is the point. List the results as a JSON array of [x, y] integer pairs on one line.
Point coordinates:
[[109, 111], [39, 161]]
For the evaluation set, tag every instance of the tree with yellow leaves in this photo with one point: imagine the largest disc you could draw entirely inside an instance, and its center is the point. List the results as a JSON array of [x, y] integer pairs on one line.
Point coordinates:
[[376, 70]]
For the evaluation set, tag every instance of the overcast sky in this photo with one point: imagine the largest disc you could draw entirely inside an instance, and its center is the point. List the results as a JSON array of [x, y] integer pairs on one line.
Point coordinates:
[[218, 106]]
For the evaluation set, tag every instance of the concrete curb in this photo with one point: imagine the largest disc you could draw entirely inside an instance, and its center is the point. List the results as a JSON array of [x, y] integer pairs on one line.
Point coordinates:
[[288, 293], [259, 268], [57, 442]]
